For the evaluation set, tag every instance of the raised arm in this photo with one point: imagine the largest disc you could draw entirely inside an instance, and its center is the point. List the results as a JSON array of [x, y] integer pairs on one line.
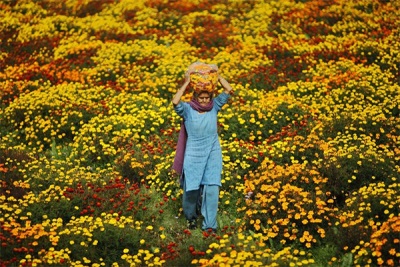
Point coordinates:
[[177, 97], [227, 87]]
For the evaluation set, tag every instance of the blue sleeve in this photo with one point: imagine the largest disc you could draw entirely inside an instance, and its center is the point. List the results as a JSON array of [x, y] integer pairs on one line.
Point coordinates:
[[221, 100], [180, 109]]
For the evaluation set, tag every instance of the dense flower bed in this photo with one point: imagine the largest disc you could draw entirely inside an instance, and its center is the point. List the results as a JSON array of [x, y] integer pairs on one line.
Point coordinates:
[[310, 137]]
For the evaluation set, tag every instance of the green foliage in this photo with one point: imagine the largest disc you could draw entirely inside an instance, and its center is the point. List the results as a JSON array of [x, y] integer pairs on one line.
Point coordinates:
[[53, 209], [11, 161]]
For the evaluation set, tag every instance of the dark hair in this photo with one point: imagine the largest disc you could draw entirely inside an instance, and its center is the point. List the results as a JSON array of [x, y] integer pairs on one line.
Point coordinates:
[[196, 94]]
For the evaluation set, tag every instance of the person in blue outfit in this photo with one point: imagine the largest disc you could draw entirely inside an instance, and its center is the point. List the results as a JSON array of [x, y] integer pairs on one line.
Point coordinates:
[[199, 157]]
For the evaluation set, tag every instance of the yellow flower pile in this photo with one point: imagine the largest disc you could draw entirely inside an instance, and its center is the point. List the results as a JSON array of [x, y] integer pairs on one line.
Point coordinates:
[[203, 77]]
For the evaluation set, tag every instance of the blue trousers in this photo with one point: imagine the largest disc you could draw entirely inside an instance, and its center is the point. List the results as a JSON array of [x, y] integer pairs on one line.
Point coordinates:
[[204, 200]]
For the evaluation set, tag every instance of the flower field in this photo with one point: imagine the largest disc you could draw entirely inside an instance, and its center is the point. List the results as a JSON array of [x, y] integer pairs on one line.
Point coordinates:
[[310, 137]]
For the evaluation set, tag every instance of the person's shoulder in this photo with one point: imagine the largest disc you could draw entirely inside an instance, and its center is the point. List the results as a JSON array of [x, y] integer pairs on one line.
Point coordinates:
[[181, 105], [223, 95]]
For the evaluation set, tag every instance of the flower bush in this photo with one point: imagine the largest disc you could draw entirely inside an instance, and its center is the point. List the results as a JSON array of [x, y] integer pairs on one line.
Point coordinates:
[[310, 138]]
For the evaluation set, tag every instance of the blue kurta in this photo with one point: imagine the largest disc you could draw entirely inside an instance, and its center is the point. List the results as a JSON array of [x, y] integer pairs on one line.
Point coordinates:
[[202, 163]]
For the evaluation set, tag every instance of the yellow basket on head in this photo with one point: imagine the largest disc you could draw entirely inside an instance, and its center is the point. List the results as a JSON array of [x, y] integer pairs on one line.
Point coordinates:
[[203, 77]]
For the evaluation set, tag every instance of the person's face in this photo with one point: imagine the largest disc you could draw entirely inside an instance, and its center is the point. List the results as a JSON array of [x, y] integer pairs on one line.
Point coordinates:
[[204, 98]]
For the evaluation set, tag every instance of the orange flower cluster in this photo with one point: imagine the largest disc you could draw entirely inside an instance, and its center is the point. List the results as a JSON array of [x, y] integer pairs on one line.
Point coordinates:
[[203, 77]]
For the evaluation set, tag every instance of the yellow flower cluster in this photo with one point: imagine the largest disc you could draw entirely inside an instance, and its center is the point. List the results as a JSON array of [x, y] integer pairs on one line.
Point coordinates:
[[203, 77]]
